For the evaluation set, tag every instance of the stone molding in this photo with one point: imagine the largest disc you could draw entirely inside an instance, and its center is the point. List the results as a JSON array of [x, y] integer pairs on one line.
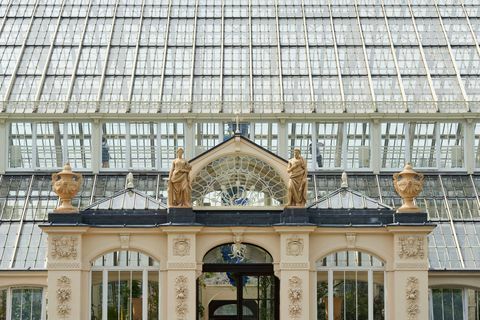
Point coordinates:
[[294, 265], [412, 296], [181, 246], [411, 247], [181, 296], [64, 247], [295, 294], [63, 265], [294, 246], [412, 265], [181, 265], [64, 296]]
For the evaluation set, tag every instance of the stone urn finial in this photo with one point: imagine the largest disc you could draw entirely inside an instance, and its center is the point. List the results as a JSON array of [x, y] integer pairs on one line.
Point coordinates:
[[66, 185], [408, 185]]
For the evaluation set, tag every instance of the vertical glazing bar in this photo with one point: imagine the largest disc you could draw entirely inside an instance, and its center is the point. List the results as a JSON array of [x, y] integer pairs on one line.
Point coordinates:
[[375, 146], [222, 53], [250, 57], [4, 141], [96, 141], [408, 142], [65, 155], [344, 159], [158, 150], [104, 294], [314, 146], [469, 143], [34, 146], [330, 295], [128, 147], [370, 294]]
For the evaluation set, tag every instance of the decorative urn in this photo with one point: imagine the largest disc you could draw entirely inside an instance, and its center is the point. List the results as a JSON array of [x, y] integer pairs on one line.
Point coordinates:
[[66, 185], [408, 184]]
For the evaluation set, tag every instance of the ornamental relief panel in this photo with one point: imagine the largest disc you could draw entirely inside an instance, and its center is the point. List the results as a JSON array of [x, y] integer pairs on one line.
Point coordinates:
[[411, 247], [294, 246], [295, 294], [64, 247], [64, 295], [181, 295], [411, 294], [181, 247]]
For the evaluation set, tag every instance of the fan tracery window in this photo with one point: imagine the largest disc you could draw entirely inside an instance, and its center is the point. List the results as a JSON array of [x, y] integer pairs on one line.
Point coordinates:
[[238, 180]]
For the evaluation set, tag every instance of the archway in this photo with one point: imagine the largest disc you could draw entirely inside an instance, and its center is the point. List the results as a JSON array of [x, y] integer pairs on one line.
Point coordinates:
[[238, 283]]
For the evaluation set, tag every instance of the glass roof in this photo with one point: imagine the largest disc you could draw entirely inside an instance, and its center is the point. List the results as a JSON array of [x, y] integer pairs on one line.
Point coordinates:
[[345, 198], [128, 199], [170, 56]]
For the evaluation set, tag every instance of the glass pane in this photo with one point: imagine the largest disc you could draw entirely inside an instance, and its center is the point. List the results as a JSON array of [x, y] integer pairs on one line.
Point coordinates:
[[27, 304], [153, 296], [97, 290], [237, 253]]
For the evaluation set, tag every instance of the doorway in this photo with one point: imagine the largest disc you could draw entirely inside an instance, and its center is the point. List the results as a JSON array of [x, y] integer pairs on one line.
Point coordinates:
[[232, 288]]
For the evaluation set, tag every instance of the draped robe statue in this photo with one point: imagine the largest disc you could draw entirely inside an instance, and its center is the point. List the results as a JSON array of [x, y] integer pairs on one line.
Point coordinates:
[[297, 185], [179, 186]]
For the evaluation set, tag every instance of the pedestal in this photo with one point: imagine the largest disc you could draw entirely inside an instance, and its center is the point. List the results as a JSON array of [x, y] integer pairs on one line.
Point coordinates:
[[184, 216], [295, 216]]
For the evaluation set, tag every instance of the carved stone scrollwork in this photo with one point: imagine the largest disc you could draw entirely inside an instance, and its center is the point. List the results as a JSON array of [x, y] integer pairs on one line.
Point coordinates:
[[410, 247], [412, 298], [64, 247], [64, 295], [295, 294], [181, 294], [181, 247], [294, 246]]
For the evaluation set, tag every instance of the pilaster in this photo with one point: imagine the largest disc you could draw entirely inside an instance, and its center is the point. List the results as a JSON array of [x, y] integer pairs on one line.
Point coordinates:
[[181, 274], [294, 275], [408, 299]]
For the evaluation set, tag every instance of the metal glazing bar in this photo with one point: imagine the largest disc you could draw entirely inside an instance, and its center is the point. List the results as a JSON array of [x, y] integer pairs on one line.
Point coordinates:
[[309, 64], [422, 54], [337, 59], [134, 67], [77, 59], [279, 53], [49, 56], [472, 31], [164, 58], [109, 45], [20, 227], [452, 225], [19, 60], [365, 56], [395, 61], [222, 50], [192, 67], [454, 62], [250, 56]]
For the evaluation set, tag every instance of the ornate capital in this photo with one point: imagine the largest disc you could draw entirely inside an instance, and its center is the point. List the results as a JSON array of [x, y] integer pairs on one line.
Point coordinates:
[[410, 247], [64, 295], [64, 247], [181, 246], [295, 295], [294, 246]]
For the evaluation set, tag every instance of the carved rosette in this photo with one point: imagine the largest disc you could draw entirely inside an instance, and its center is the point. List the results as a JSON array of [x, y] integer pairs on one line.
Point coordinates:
[[411, 295], [295, 294], [64, 247], [64, 295], [66, 185], [294, 246], [408, 184], [410, 247], [181, 247], [181, 294]]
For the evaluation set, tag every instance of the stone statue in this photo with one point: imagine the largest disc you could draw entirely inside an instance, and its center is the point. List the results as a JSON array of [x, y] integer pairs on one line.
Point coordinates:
[[297, 185], [66, 185], [408, 185], [179, 185]]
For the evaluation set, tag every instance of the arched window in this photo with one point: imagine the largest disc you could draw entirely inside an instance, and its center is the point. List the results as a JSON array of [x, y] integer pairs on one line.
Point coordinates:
[[235, 253], [125, 285], [22, 303], [350, 285]]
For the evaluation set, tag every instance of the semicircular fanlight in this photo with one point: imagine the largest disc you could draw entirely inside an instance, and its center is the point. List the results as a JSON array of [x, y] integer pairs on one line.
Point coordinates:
[[238, 180]]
